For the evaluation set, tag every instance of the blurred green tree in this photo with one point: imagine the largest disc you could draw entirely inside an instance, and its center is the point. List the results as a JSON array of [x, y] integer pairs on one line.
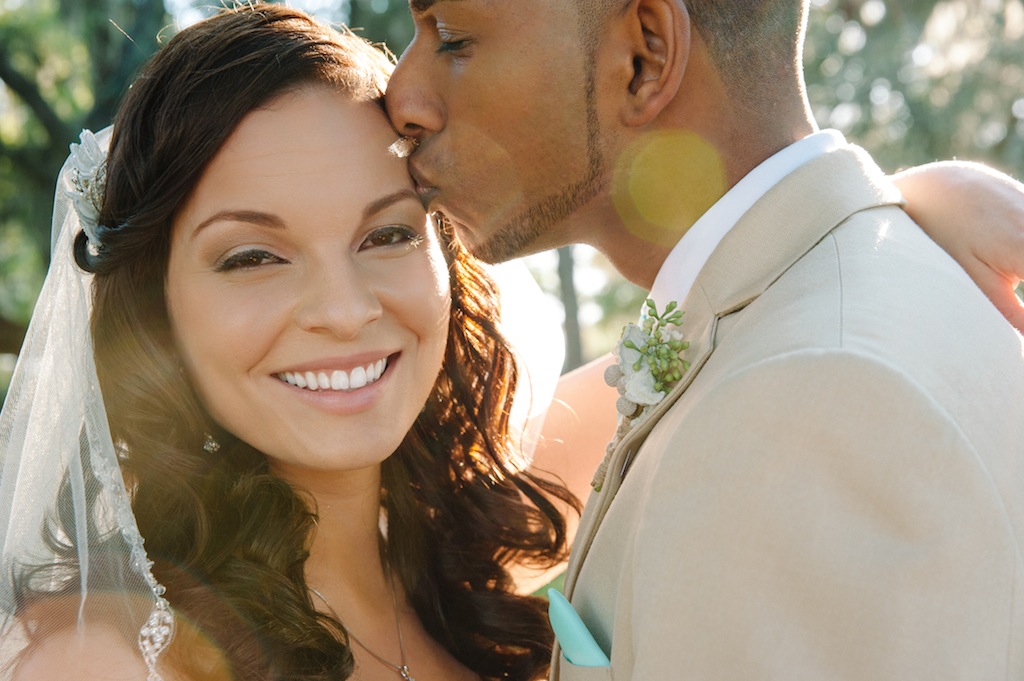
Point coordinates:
[[919, 80], [64, 65], [382, 21]]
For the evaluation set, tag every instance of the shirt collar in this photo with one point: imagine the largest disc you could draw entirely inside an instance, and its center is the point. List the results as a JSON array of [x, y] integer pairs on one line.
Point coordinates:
[[684, 262]]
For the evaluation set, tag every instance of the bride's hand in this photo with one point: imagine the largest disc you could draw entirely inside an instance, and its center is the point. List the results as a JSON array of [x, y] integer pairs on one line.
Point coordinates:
[[977, 215]]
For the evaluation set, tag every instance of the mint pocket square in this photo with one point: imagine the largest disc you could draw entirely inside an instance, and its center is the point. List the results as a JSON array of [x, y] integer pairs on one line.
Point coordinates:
[[577, 643]]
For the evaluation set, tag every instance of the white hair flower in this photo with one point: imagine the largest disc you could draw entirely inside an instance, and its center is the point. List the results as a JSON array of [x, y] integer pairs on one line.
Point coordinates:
[[87, 177]]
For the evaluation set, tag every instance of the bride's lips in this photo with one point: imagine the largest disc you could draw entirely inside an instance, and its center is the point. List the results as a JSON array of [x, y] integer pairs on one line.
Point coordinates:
[[340, 386]]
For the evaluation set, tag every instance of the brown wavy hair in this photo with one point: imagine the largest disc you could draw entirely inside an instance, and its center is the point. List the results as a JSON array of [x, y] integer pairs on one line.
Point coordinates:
[[228, 539]]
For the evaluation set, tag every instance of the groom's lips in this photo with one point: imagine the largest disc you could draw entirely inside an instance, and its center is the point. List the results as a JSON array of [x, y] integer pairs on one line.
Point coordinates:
[[426, 191]]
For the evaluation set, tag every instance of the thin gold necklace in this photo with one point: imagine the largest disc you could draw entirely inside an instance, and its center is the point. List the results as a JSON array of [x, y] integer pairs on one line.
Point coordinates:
[[401, 669]]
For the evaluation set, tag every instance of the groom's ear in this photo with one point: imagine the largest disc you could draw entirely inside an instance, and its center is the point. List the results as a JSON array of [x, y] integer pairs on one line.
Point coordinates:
[[654, 35]]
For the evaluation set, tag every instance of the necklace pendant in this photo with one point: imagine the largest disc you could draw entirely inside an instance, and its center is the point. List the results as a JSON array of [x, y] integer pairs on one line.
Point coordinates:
[[403, 671]]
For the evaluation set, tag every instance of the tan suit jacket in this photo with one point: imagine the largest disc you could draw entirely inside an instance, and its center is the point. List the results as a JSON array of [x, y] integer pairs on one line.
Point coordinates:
[[836, 488]]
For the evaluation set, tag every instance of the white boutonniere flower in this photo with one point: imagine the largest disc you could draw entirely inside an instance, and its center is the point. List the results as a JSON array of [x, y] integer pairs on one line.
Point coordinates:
[[87, 179], [650, 361], [649, 365]]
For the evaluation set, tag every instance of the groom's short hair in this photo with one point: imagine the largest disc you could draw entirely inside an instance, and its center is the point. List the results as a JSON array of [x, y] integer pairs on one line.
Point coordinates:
[[753, 43]]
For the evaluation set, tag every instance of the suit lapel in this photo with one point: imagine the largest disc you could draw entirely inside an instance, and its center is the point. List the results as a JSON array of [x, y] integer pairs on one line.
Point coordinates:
[[789, 221], [774, 234], [698, 327]]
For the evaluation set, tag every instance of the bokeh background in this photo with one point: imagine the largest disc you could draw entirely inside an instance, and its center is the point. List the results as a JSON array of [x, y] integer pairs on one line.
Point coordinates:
[[911, 80]]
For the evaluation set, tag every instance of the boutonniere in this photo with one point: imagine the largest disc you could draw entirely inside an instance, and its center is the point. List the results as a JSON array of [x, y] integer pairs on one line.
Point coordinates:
[[649, 365], [649, 360]]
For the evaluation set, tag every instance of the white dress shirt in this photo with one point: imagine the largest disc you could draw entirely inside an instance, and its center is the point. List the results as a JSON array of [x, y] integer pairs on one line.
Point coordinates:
[[684, 262]]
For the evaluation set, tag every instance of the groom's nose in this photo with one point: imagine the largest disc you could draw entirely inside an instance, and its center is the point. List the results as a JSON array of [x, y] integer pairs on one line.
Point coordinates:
[[414, 99]]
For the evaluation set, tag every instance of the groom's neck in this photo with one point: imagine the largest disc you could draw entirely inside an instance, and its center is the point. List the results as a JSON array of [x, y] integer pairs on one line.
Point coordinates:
[[675, 176]]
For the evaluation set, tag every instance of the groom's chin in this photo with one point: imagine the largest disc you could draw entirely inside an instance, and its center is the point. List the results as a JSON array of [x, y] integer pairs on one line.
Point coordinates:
[[496, 249], [508, 242]]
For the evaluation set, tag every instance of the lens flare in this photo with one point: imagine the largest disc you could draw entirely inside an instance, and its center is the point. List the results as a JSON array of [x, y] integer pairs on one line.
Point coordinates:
[[664, 182]]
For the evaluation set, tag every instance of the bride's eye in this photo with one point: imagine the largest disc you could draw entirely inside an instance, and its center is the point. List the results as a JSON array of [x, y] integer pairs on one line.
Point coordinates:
[[248, 260], [392, 235]]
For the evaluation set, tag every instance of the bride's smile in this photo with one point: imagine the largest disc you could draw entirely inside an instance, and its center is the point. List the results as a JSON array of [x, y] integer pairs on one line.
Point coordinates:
[[336, 379]]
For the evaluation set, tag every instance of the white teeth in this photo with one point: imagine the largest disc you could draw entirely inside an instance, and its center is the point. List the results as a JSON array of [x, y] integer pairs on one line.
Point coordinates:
[[337, 379]]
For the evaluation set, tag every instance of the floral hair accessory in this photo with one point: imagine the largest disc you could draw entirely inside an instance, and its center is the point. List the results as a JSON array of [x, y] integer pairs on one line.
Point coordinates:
[[649, 360], [87, 179]]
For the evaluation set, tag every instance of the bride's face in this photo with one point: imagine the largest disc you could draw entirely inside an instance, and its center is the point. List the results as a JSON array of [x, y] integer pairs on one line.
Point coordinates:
[[306, 287]]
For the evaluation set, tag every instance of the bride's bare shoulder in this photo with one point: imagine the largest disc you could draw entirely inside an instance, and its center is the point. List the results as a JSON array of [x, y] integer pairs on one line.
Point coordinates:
[[58, 642], [98, 652]]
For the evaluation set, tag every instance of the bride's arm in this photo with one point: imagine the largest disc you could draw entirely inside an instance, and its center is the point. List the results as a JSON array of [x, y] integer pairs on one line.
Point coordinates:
[[580, 421], [577, 425], [977, 215]]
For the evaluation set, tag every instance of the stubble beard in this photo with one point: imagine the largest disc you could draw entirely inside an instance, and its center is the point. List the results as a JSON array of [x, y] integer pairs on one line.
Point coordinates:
[[519, 235]]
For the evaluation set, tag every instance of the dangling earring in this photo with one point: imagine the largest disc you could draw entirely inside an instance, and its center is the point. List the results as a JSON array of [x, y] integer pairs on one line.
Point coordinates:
[[211, 445]]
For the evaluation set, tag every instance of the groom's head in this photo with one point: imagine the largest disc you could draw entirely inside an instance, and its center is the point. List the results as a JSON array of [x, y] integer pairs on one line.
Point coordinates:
[[525, 109]]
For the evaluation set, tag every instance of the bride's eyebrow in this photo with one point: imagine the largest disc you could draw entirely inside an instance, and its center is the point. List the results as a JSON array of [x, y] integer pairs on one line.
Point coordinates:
[[254, 217], [261, 219], [383, 202]]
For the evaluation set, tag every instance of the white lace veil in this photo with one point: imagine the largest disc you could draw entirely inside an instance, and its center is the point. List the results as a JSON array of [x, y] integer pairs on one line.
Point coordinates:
[[72, 560], [533, 328]]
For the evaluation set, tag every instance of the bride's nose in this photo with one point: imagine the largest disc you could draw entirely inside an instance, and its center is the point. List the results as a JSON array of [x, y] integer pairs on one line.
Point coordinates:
[[340, 301]]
